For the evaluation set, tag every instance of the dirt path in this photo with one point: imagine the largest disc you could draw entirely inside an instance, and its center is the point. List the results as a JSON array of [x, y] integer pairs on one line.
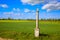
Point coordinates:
[[5, 39]]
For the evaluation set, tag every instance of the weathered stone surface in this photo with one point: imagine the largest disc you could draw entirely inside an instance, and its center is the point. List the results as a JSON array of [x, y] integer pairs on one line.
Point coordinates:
[[37, 24], [36, 32]]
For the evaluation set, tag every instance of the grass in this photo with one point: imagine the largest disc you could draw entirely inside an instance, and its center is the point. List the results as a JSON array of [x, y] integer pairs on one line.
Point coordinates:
[[24, 30]]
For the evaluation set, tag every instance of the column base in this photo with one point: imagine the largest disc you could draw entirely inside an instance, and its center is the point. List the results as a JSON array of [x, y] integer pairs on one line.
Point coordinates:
[[37, 32]]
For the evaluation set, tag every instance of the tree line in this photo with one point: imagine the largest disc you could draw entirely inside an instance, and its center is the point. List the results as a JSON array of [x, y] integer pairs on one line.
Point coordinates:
[[31, 19]]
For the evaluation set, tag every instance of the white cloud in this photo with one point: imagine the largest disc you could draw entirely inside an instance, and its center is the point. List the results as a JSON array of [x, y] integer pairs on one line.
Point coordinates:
[[14, 12], [52, 6], [31, 2], [7, 13], [26, 10], [34, 2], [4, 5], [33, 11], [11, 13], [17, 14], [29, 11], [16, 9]]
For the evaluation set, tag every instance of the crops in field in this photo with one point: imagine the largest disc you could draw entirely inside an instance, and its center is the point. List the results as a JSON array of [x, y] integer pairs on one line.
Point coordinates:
[[24, 30]]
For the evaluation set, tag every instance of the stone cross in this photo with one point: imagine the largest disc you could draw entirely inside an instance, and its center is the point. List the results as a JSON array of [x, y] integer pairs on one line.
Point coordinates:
[[37, 23]]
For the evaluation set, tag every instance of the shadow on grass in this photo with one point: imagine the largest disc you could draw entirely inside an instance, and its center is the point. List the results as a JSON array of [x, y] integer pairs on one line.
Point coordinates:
[[42, 36], [45, 35]]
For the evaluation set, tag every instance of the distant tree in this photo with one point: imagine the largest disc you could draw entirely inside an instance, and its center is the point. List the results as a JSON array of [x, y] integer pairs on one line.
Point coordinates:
[[3, 19], [9, 18]]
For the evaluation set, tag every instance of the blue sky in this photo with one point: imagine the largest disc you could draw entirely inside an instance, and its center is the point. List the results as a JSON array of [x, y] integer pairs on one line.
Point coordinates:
[[26, 9]]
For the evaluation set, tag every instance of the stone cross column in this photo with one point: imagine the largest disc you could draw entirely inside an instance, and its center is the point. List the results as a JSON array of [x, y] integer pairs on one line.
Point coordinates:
[[37, 23]]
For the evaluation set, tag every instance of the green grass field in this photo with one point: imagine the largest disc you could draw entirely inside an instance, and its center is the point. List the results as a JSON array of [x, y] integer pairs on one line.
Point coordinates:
[[24, 30]]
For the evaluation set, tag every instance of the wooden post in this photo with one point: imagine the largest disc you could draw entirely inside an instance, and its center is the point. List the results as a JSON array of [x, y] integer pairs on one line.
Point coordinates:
[[37, 23]]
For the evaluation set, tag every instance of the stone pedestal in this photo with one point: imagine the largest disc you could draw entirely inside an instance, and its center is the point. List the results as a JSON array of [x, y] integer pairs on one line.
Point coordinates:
[[37, 32]]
